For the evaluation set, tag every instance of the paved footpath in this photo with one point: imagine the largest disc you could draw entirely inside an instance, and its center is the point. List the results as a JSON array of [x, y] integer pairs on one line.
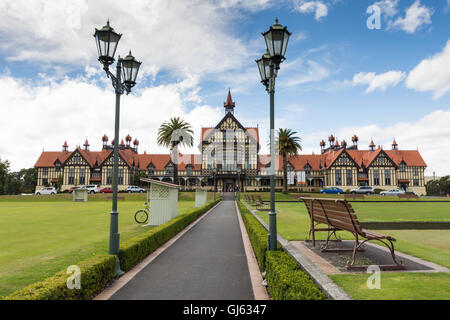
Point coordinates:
[[206, 263]]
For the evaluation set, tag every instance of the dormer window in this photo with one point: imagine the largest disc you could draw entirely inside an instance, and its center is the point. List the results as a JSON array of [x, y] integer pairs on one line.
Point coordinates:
[[189, 170], [77, 158], [308, 169], [169, 170], [151, 170], [402, 167]]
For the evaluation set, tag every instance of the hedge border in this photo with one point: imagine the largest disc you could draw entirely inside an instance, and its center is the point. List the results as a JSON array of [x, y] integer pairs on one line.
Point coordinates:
[[98, 271], [285, 279]]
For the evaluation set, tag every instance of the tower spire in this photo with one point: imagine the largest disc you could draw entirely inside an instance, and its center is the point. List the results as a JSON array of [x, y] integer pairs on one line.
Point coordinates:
[[229, 104]]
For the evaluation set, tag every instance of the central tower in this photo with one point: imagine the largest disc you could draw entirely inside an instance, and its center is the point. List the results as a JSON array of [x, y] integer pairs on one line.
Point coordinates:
[[229, 104]]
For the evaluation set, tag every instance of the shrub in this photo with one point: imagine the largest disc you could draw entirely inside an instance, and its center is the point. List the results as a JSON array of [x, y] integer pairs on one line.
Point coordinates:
[[286, 281], [257, 234], [136, 249], [96, 273]]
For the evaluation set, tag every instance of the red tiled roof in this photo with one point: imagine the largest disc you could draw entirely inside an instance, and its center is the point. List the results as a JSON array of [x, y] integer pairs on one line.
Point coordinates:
[[412, 158], [47, 158]]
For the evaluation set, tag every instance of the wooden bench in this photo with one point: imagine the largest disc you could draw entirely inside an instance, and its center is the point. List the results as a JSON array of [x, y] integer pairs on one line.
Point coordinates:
[[354, 196], [339, 215], [261, 205], [408, 195]]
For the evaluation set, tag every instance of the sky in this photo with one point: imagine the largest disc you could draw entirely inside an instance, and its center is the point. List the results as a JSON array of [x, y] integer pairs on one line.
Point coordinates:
[[378, 69]]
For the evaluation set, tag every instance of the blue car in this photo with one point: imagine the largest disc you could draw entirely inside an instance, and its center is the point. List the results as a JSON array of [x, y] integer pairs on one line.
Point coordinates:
[[332, 191]]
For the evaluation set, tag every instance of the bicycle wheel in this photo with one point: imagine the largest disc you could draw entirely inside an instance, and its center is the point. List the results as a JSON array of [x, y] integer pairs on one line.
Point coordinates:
[[141, 216]]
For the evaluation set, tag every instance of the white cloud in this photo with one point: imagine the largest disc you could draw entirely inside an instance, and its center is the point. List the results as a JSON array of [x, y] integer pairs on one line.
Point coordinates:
[[380, 81], [432, 74], [415, 17], [388, 7], [184, 37], [319, 8], [73, 109], [429, 135]]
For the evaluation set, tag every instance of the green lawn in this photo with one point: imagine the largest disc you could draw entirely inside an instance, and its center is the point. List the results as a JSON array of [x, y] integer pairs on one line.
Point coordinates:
[[397, 286], [431, 245], [40, 238]]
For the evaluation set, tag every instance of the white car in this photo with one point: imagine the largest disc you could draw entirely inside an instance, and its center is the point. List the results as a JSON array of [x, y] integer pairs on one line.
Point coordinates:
[[393, 192], [47, 190], [363, 190], [135, 189], [92, 188]]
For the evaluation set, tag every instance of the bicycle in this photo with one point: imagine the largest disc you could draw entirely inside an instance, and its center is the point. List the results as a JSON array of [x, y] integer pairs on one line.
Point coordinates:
[[141, 216]]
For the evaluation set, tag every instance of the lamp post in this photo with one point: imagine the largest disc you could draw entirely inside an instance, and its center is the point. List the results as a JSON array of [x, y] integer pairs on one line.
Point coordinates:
[[107, 40], [239, 170], [214, 177], [276, 38]]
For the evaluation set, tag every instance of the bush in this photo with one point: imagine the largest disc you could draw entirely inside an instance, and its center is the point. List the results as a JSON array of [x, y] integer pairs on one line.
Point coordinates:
[[136, 249], [257, 234], [377, 191], [96, 273], [286, 281]]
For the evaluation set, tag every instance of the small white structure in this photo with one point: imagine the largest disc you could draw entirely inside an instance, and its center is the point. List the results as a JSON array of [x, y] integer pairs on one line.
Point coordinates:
[[80, 195], [200, 197], [163, 199]]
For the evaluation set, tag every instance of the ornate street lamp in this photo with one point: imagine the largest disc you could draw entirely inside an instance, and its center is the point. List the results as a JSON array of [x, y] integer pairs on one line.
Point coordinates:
[[214, 170], [107, 40], [277, 38], [239, 170]]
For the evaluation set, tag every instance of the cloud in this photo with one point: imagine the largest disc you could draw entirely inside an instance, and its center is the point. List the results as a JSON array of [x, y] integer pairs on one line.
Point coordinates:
[[429, 135], [388, 7], [415, 17], [182, 37], [380, 81], [432, 74], [73, 109], [319, 8]]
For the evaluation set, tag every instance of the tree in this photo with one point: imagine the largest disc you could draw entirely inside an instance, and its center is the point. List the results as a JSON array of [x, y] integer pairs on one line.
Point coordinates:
[[59, 182], [4, 172], [172, 134], [288, 146]]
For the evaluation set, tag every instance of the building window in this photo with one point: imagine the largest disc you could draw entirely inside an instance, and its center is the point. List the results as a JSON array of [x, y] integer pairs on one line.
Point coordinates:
[[416, 172], [82, 176], [349, 177], [45, 171], [376, 177], [109, 176], [58, 168], [169, 171], [402, 167], [416, 182], [120, 177], [72, 176], [338, 177], [76, 158], [151, 170], [189, 171], [387, 177], [265, 182], [308, 169]]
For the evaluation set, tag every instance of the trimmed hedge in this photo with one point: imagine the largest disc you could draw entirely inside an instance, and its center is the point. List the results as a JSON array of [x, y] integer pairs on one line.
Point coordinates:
[[257, 234], [287, 281], [96, 273], [136, 249]]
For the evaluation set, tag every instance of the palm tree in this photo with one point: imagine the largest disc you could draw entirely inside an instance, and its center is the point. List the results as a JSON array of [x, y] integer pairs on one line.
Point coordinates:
[[173, 133], [288, 146]]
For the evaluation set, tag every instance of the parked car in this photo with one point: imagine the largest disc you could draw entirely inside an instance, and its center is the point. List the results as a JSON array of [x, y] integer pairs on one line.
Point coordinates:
[[106, 190], [332, 190], [134, 189], [363, 190], [393, 192], [73, 188], [47, 190], [92, 188]]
